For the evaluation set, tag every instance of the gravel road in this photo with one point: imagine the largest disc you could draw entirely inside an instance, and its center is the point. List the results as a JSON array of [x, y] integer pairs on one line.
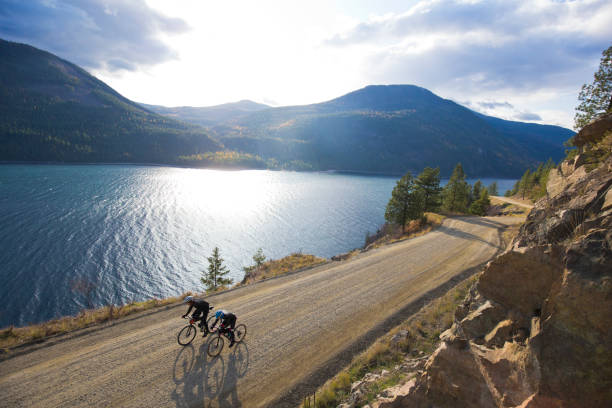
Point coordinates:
[[525, 204], [301, 328]]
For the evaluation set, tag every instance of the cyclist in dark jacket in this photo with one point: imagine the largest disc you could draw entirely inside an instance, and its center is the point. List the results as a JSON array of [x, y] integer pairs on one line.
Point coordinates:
[[201, 312], [228, 322]]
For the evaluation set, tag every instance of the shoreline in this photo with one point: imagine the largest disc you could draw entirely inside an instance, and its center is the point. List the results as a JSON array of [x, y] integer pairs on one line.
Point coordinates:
[[229, 168]]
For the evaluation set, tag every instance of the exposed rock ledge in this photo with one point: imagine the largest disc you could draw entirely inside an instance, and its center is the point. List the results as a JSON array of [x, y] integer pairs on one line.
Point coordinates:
[[536, 331]]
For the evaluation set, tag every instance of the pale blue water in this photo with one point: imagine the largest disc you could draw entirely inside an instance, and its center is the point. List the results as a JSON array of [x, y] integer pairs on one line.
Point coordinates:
[[140, 232]]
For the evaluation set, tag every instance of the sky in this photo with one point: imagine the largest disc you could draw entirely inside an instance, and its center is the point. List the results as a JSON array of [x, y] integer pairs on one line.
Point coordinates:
[[515, 59]]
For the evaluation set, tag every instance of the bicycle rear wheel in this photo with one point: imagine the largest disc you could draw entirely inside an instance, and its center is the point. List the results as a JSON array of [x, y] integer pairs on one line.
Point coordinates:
[[186, 335], [239, 332], [215, 346]]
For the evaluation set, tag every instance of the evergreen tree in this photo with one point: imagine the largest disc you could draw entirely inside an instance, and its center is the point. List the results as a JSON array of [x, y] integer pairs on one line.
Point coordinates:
[[406, 203], [480, 206], [213, 278], [259, 258], [492, 189], [476, 189], [455, 194], [596, 98], [429, 182], [524, 183]]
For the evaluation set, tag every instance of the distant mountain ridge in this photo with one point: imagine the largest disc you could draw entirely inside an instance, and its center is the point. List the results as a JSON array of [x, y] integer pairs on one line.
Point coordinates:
[[391, 129], [208, 115], [52, 110]]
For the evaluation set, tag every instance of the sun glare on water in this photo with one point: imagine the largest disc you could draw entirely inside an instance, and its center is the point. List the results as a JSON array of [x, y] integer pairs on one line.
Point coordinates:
[[229, 192]]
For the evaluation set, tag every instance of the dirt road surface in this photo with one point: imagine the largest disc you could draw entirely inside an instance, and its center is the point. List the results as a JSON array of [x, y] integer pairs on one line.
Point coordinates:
[[302, 328], [525, 203]]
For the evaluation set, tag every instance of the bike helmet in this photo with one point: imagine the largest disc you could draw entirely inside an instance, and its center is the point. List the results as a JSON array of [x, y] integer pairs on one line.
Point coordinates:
[[219, 314], [188, 299]]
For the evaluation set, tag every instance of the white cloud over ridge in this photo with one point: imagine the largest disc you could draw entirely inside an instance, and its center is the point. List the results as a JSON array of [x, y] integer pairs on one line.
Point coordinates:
[[486, 49], [109, 35]]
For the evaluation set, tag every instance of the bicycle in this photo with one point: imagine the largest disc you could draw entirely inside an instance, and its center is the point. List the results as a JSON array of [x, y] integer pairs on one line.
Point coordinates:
[[216, 343], [187, 334]]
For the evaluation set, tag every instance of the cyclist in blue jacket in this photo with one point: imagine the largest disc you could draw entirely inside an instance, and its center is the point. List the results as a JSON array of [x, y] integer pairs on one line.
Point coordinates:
[[228, 322]]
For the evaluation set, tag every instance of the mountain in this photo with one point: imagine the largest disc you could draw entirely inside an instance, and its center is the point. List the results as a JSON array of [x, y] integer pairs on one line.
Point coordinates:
[[52, 110], [391, 129], [209, 115]]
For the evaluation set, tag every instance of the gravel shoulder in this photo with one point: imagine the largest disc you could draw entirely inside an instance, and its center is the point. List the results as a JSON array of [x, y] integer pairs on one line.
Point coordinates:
[[300, 328]]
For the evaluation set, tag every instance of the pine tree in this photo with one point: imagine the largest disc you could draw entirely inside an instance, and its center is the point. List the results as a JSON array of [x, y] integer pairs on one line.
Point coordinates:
[[406, 203], [480, 206], [524, 183], [596, 98], [213, 278], [476, 189], [492, 189], [429, 182], [455, 194], [259, 258]]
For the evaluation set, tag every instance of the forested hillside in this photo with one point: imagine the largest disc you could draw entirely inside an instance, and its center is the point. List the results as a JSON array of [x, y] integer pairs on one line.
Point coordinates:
[[52, 110], [392, 129]]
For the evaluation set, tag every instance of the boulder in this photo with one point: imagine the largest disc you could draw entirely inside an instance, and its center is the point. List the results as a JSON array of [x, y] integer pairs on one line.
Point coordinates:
[[393, 397], [399, 336], [520, 281]]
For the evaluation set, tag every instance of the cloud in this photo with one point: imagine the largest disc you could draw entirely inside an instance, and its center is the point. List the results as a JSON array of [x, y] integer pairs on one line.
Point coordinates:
[[528, 116], [100, 35], [494, 105], [483, 46], [503, 110]]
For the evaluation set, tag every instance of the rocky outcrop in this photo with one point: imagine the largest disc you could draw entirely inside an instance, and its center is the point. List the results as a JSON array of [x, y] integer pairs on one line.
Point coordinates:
[[594, 132], [535, 331]]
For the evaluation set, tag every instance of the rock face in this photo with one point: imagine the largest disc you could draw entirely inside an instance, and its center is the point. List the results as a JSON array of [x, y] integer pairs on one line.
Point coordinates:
[[536, 330], [593, 132]]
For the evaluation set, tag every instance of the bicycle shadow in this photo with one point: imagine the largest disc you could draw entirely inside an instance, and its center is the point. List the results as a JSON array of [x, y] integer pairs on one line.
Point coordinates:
[[237, 366], [198, 377], [204, 380]]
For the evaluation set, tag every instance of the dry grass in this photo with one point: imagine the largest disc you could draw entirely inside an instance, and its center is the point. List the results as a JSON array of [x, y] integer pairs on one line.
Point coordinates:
[[424, 329], [14, 336], [290, 263], [415, 228], [509, 233]]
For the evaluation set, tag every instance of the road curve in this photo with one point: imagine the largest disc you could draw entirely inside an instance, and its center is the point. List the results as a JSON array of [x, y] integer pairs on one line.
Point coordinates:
[[299, 327], [514, 201]]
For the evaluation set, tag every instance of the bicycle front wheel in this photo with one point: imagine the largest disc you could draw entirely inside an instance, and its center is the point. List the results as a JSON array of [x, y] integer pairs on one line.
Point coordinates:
[[215, 346], [210, 321], [186, 335], [240, 332]]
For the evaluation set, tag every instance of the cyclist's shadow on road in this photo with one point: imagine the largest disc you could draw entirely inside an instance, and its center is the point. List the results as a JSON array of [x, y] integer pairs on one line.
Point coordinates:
[[204, 380]]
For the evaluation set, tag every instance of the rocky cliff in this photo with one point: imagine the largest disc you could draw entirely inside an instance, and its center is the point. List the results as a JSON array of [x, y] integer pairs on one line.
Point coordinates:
[[535, 330]]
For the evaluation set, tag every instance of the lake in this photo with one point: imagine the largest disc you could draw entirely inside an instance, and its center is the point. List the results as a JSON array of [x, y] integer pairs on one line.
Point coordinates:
[[139, 232]]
